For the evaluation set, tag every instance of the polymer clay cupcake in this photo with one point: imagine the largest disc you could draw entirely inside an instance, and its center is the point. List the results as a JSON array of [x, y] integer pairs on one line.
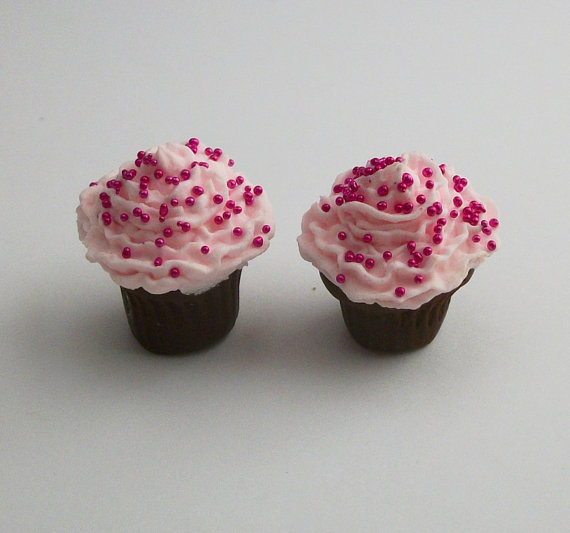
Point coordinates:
[[173, 228], [393, 241]]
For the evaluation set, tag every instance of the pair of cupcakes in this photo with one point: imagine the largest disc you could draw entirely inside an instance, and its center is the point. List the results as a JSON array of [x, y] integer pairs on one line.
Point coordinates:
[[392, 241]]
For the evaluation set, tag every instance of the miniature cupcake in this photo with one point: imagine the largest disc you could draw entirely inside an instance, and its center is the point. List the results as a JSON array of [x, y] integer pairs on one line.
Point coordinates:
[[174, 228], [393, 241]]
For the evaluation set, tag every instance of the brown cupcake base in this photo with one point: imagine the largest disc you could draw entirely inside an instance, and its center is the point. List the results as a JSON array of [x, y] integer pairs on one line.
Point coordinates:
[[176, 323], [393, 330]]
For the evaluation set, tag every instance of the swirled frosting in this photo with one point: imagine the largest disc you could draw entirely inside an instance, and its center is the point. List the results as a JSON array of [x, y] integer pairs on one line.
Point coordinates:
[[399, 231], [178, 217]]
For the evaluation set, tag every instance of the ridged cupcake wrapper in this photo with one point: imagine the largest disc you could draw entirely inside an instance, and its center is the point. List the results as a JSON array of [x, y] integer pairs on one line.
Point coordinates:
[[176, 323], [393, 330]]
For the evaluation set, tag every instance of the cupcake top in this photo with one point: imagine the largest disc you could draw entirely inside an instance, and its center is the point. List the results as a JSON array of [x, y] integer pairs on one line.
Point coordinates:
[[178, 217], [399, 231]]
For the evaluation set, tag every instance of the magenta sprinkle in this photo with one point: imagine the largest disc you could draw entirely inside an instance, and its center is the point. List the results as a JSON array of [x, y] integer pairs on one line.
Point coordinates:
[[237, 210], [218, 199], [418, 256], [231, 162], [358, 258], [158, 261], [218, 219], [418, 278], [408, 207], [401, 187], [492, 246], [457, 201], [143, 194], [266, 228], [476, 238], [257, 242], [137, 211], [326, 208], [174, 272], [231, 184], [399, 208], [126, 252], [339, 200], [124, 217], [167, 232], [226, 215], [341, 235], [421, 199], [437, 238], [349, 256], [493, 222], [383, 190], [239, 180], [427, 251], [237, 231], [145, 217], [230, 204], [174, 202], [453, 213], [437, 228], [399, 291], [431, 211], [257, 190], [367, 237], [427, 172], [387, 255], [190, 201], [429, 184], [381, 206], [411, 246], [185, 174], [205, 250], [158, 174], [185, 226], [159, 242], [442, 221], [369, 263], [163, 211], [340, 278], [197, 190]]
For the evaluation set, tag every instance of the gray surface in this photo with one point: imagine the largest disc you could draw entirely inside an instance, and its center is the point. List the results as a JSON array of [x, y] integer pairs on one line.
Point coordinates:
[[288, 425]]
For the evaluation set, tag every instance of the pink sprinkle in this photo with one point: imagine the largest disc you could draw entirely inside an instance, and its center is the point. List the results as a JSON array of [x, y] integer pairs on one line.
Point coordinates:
[[367, 237], [143, 194], [137, 211], [369, 263], [339, 201], [174, 202], [407, 179], [126, 252], [185, 174], [442, 168], [174, 272], [421, 199], [494, 222], [427, 172], [399, 291], [190, 201], [453, 213], [257, 190], [418, 278], [401, 187], [476, 238], [349, 256], [442, 221], [145, 217], [408, 207], [185, 226], [237, 210], [226, 215], [231, 162], [237, 231], [93, 184], [358, 258], [387, 255], [230, 204], [175, 180], [340, 278], [158, 174], [341, 235], [218, 219], [231, 184], [124, 217], [411, 246], [163, 210], [437, 238], [205, 250], [197, 190], [457, 201], [218, 199], [266, 228], [437, 228], [257, 242], [167, 232], [429, 184], [399, 208], [427, 251], [492, 246], [158, 261], [159, 242], [431, 211], [381, 206], [326, 208], [239, 180]]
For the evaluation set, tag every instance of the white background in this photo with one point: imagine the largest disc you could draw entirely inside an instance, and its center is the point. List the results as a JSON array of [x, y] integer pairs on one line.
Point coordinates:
[[288, 425]]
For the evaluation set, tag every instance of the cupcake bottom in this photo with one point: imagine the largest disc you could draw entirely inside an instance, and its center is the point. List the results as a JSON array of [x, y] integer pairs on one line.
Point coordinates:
[[393, 330], [176, 323]]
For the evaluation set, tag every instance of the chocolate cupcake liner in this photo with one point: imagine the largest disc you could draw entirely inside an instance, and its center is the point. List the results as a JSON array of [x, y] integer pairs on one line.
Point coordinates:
[[393, 330], [176, 323]]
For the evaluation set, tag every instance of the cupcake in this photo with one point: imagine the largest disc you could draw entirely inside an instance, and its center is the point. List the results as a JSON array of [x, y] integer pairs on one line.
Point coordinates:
[[173, 228], [393, 241]]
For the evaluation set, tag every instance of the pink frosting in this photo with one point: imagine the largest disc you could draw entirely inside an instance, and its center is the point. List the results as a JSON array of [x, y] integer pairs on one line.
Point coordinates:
[[178, 217], [399, 231]]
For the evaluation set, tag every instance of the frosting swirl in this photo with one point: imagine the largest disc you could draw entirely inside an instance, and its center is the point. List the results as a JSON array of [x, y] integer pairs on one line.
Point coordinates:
[[399, 231], [178, 217]]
